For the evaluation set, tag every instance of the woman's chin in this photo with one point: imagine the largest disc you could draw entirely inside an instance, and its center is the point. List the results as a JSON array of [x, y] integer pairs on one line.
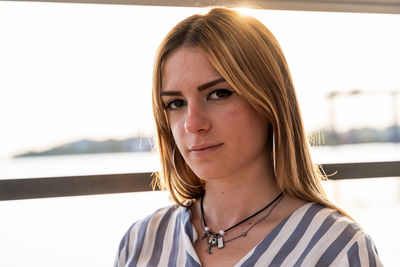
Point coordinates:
[[208, 174]]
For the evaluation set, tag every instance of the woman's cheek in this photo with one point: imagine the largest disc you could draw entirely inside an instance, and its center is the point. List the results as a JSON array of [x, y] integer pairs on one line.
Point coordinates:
[[178, 133]]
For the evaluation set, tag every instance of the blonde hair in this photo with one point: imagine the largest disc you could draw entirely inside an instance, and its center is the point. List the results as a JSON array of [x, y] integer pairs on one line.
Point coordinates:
[[250, 59]]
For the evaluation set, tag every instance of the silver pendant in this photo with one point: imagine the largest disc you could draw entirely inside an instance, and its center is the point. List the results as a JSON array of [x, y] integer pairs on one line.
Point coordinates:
[[220, 242], [212, 242]]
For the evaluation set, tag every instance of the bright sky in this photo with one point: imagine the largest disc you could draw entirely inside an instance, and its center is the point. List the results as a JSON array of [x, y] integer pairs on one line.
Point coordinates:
[[72, 71]]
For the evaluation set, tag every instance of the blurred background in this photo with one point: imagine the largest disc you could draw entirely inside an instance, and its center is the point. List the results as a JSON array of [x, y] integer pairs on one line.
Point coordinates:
[[75, 99]]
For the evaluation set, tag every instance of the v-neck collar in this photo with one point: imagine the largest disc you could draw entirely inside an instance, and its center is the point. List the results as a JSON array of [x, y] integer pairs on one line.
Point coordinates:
[[192, 235]]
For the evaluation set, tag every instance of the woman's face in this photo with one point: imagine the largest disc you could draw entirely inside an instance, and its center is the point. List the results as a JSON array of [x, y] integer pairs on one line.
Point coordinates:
[[218, 132]]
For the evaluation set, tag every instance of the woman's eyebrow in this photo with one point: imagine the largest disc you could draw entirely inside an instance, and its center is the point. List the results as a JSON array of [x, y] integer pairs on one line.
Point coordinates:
[[200, 88], [209, 84], [170, 93]]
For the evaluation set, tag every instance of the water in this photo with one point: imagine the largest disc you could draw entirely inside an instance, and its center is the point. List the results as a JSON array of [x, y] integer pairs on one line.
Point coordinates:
[[72, 165], [368, 152], [86, 230]]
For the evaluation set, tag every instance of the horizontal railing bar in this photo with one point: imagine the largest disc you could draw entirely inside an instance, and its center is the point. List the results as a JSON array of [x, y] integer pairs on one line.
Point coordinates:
[[13, 189], [365, 6], [340, 171]]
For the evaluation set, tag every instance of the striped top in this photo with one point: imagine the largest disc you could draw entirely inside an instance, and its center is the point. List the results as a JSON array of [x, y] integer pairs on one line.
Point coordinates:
[[313, 235]]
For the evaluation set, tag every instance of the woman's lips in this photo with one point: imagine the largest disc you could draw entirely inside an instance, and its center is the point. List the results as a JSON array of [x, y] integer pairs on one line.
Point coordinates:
[[203, 149]]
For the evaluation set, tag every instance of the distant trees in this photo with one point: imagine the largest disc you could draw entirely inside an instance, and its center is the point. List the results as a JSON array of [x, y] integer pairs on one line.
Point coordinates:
[[356, 136], [146, 144], [135, 144]]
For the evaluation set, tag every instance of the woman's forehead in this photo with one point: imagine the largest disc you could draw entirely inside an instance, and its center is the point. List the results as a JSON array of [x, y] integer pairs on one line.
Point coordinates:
[[187, 65]]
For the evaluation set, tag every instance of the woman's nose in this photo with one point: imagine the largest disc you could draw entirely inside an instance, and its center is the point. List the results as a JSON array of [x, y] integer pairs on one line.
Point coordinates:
[[197, 120]]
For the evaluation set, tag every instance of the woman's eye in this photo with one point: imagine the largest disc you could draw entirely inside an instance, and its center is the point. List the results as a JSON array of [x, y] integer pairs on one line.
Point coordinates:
[[175, 104], [220, 94]]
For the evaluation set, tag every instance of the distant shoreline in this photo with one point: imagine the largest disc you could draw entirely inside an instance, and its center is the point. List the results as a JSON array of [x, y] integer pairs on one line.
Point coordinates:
[[147, 144], [134, 144]]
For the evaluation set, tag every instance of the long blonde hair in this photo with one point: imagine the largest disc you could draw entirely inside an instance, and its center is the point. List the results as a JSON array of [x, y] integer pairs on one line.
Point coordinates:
[[250, 59]]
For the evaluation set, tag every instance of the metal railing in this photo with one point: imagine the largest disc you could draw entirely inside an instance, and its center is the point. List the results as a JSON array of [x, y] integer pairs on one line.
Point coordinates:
[[366, 6], [13, 189]]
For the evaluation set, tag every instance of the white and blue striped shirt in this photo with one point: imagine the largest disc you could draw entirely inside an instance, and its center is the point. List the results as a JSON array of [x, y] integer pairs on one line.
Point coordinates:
[[311, 236]]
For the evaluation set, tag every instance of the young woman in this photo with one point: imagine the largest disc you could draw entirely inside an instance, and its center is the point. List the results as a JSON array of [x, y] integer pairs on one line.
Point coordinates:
[[235, 159]]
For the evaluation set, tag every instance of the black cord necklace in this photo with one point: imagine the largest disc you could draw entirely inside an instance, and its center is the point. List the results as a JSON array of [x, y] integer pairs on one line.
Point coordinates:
[[215, 239]]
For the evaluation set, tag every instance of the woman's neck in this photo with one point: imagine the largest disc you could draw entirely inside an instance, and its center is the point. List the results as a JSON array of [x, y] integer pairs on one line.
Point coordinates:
[[230, 200]]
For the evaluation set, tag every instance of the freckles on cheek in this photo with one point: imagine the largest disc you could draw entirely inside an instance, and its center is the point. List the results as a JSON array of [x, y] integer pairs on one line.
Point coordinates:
[[234, 119], [177, 133], [242, 121]]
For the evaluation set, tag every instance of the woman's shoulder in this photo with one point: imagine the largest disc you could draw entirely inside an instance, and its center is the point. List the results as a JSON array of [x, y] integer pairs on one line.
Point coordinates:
[[150, 232], [322, 215], [161, 215], [327, 223], [333, 237]]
